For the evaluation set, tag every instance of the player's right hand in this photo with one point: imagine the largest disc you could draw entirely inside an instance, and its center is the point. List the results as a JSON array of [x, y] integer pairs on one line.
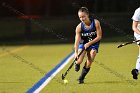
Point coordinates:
[[76, 56]]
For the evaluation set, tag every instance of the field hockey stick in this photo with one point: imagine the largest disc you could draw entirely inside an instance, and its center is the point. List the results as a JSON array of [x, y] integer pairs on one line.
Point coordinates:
[[64, 75], [124, 44]]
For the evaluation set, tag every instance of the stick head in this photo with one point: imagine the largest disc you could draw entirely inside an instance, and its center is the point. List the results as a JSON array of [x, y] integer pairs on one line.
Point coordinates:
[[63, 76], [119, 46]]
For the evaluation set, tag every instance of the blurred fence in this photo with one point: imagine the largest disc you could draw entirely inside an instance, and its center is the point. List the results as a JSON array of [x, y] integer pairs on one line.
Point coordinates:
[[61, 29]]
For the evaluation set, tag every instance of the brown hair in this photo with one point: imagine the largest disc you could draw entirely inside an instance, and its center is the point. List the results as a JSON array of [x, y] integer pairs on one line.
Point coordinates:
[[84, 9]]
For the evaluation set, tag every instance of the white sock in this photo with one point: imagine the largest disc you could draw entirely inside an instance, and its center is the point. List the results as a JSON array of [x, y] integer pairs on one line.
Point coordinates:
[[138, 64]]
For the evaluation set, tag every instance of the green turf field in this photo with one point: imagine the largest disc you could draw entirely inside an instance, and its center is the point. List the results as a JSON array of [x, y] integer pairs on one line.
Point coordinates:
[[22, 66]]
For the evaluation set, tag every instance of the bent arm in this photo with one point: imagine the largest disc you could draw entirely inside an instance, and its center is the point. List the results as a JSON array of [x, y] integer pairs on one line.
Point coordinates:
[[134, 27], [98, 31], [77, 38]]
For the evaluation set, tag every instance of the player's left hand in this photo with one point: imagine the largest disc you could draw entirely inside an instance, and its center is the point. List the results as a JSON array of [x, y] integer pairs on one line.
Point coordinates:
[[86, 45]]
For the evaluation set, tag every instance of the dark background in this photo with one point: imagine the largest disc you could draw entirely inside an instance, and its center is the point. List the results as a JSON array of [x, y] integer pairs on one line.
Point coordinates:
[[54, 21]]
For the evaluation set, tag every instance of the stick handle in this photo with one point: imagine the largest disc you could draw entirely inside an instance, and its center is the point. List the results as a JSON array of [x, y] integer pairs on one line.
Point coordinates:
[[64, 75]]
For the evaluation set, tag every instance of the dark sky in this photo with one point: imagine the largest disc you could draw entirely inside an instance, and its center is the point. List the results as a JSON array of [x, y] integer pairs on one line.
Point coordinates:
[[66, 7]]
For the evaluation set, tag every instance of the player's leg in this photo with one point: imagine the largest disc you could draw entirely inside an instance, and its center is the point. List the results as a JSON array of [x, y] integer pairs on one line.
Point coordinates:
[[138, 60], [135, 71], [90, 57], [79, 61]]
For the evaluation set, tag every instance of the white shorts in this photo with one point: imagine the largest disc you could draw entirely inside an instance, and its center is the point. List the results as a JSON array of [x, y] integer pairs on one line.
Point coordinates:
[[137, 37]]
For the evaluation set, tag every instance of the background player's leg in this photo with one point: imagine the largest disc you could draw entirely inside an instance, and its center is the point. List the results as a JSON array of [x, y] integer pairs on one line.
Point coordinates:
[[138, 61], [135, 71]]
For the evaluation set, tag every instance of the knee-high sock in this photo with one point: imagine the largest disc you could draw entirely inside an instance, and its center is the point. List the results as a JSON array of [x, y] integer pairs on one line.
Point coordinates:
[[138, 63], [84, 73]]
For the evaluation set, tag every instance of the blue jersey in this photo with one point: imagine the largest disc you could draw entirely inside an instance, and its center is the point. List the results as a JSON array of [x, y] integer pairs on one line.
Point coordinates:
[[88, 34]]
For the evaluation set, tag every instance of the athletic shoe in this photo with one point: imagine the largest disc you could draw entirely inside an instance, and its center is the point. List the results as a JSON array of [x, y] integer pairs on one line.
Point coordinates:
[[81, 81], [77, 67], [135, 73]]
